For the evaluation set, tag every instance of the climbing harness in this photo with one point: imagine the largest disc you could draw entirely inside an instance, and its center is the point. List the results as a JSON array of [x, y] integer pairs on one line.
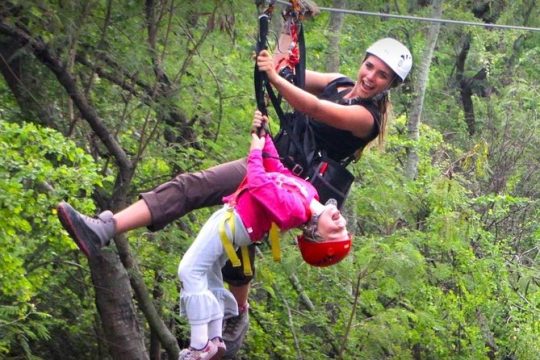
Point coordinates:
[[228, 243], [295, 140], [273, 237], [295, 61], [261, 83]]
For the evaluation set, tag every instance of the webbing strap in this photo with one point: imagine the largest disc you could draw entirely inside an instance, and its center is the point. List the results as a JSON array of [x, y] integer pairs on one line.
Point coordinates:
[[274, 242], [260, 80], [229, 247], [227, 243], [246, 261]]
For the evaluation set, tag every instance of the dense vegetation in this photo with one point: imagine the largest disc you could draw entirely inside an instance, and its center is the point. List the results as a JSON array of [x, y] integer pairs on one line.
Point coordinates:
[[101, 100]]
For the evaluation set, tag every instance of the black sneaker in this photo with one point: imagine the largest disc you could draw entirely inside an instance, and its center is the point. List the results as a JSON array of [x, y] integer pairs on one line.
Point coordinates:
[[88, 233]]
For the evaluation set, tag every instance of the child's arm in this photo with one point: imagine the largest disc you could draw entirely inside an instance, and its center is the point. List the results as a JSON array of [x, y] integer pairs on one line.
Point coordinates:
[[271, 159]]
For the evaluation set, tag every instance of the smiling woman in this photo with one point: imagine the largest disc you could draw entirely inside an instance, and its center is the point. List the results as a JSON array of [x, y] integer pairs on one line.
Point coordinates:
[[361, 110]]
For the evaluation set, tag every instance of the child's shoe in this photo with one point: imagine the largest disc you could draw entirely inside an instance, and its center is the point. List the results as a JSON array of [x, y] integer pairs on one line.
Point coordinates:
[[210, 352], [220, 346]]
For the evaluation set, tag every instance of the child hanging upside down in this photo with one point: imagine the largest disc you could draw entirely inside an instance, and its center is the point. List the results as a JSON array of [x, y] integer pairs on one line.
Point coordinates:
[[270, 193]]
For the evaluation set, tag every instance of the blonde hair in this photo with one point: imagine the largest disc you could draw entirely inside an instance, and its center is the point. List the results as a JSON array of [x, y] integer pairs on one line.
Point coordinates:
[[384, 106]]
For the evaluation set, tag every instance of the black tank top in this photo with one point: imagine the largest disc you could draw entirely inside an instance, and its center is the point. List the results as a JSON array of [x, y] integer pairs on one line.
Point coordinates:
[[341, 144]]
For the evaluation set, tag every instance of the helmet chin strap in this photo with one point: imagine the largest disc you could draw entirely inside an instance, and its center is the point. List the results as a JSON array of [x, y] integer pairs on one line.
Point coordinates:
[[380, 95]]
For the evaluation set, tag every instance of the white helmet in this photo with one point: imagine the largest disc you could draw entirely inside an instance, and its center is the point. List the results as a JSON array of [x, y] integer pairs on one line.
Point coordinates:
[[394, 54]]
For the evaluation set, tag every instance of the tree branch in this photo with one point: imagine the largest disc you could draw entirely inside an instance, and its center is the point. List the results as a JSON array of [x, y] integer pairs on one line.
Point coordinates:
[[51, 61]]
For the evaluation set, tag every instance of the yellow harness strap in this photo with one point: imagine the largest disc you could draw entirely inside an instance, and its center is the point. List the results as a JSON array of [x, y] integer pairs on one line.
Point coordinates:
[[245, 259], [273, 236], [227, 243]]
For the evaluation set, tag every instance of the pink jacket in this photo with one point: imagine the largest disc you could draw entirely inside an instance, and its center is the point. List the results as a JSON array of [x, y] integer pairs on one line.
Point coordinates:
[[271, 193]]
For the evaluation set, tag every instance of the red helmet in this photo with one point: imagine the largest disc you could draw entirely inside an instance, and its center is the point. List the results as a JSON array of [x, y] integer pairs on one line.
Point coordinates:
[[324, 253]]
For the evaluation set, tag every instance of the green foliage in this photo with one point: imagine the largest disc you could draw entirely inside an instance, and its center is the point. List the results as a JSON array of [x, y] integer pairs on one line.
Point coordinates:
[[432, 282], [20, 325], [443, 267], [34, 162]]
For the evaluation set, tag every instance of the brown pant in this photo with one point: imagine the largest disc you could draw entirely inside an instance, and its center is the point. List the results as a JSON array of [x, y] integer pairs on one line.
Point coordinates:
[[190, 191]]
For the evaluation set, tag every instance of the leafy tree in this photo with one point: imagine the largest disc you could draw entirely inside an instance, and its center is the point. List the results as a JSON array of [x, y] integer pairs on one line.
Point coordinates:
[[38, 168], [102, 100]]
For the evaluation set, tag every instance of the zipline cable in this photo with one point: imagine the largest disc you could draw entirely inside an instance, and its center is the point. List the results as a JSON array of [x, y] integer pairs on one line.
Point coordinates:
[[417, 18]]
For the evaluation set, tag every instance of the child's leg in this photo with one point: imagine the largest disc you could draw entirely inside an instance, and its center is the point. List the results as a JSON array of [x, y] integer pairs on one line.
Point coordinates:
[[215, 329], [199, 336], [225, 299], [215, 276], [197, 302]]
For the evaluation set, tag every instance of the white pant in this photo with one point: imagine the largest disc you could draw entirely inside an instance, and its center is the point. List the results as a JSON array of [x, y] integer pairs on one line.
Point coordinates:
[[203, 297]]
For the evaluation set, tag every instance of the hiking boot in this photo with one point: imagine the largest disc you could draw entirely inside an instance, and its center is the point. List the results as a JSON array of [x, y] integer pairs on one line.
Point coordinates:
[[234, 332], [90, 234], [220, 346], [210, 352]]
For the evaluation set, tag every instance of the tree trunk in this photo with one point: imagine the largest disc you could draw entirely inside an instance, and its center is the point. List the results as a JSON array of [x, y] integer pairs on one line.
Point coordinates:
[[111, 283], [124, 337], [117, 316], [411, 167], [157, 294], [23, 84], [334, 31], [465, 88]]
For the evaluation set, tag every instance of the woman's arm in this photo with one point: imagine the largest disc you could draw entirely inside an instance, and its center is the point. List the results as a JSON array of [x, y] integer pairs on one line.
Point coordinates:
[[317, 81], [356, 119]]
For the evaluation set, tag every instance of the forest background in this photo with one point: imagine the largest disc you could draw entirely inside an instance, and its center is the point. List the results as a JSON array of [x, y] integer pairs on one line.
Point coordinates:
[[100, 100]]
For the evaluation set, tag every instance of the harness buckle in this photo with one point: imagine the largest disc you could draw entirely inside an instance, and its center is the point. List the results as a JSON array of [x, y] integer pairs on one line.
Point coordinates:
[[297, 169]]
